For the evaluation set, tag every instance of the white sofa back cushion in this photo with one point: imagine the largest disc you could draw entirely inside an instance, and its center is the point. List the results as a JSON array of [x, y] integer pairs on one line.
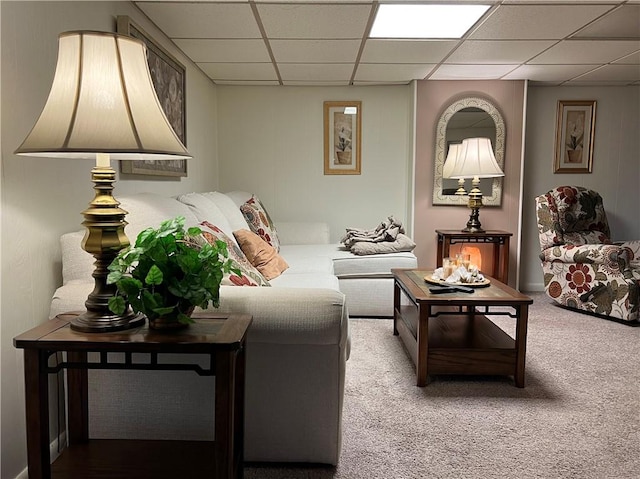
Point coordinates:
[[149, 210], [239, 197], [77, 264], [229, 209], [205, 209]]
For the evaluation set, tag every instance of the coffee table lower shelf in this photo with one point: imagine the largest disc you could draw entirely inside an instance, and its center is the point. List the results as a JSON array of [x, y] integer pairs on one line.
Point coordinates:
[[142, 459], [459, 344]]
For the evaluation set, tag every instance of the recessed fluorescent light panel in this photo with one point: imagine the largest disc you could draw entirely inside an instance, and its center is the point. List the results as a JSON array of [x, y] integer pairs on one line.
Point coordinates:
[[425, 21]]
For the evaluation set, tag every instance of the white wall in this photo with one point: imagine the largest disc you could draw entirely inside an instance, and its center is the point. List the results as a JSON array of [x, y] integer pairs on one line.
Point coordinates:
[[616, 163], [271, 144], [42, 198]]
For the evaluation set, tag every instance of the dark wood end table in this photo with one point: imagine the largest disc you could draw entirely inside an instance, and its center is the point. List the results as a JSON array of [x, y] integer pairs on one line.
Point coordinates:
[[450, 333], [499, 239], [221, 337]]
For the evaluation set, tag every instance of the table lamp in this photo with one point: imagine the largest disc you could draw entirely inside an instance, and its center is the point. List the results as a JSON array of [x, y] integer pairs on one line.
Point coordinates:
[[449, 164], [102, 105], [475, 160]]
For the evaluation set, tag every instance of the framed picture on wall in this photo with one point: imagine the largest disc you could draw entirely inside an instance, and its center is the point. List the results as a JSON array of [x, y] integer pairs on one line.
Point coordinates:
[[169, 82], [342, 137], [576, 121]]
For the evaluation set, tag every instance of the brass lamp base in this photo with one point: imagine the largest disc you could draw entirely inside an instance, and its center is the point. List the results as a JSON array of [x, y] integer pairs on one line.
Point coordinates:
[[105, 237], [475, 203], [97, 323], [473, 225]]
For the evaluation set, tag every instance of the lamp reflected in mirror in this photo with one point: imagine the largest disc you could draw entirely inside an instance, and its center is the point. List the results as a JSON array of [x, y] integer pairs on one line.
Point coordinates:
[[449, 165], [475, 160]]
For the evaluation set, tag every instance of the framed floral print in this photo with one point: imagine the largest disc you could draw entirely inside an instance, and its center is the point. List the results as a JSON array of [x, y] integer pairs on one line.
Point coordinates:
[[576, 121], [342, 137]]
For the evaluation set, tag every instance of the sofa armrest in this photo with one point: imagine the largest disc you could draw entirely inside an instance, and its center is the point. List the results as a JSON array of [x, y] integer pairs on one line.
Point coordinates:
[[589, 253], [312, 316], [303, 232], [290, 315]]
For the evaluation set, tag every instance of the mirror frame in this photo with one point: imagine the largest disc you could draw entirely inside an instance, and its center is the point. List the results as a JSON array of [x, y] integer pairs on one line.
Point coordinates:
[[440, 154]]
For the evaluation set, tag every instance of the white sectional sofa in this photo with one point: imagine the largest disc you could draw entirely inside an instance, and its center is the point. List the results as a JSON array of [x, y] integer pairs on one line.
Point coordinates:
[[296, 350]]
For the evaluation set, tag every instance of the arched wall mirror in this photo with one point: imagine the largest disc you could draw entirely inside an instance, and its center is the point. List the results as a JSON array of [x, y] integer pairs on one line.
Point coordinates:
[[468, 117]]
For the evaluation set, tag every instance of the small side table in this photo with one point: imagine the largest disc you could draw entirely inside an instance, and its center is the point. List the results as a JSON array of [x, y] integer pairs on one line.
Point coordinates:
[[221, 337], [499, 239]]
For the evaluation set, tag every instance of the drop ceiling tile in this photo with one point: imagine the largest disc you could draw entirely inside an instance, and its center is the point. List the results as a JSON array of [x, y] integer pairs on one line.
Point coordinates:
[[239, 71], [406, 51], [396, 72], [597, 83], [318, 21], [498, 51], [469, 72], [248, 82], [315, 51], [315, 71], [203, 20], [586, 52], [315, 83], [627, 73], [530, 22], [369, 2], [547, 73], [378, 83], [623, 22], [633, 59], [236, 50]]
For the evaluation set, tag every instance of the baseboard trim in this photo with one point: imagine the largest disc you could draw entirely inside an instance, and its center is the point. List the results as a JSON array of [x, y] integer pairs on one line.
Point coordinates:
[[53, 453]]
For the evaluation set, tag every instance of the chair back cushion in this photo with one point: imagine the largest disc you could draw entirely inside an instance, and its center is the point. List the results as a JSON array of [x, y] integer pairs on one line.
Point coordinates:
[[571, 215]]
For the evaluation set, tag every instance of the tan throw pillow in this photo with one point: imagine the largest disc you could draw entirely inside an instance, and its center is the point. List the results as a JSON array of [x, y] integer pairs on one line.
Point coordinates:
[[261, 254]]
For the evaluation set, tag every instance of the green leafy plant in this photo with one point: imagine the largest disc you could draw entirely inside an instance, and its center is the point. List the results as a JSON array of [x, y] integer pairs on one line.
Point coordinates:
[[169, 271]]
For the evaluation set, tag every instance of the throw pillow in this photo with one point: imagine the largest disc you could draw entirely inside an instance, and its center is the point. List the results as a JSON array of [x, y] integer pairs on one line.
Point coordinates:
[[250, 275], [260, 222], [261, 254]]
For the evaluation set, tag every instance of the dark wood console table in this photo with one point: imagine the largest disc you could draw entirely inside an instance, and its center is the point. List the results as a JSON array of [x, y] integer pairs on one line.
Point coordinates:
[[219, 336], [499, 239]]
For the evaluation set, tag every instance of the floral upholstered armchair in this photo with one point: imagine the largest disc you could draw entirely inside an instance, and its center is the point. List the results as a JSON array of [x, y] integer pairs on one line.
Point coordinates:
[[583, 268]]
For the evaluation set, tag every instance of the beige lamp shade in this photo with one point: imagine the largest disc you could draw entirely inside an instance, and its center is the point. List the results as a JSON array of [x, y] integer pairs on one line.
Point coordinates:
[[101, 101], [476, 160], [452, 157]]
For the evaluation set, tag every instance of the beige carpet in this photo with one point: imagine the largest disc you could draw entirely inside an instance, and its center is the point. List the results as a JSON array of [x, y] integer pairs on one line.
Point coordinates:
[[578, 416]]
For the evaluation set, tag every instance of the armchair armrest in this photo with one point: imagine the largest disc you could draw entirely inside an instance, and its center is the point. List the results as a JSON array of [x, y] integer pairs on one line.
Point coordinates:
[[589, 254], [633, 245], [303, 232]]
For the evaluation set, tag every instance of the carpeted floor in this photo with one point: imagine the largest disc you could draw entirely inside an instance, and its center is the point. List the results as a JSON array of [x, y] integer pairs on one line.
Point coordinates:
[[578, 416]]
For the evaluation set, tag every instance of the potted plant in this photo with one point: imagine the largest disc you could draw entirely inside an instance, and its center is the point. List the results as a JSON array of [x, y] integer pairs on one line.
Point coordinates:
[[167, 272]]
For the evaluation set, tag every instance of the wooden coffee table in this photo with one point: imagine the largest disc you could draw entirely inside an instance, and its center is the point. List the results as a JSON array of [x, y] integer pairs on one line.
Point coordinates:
[[450, 333]]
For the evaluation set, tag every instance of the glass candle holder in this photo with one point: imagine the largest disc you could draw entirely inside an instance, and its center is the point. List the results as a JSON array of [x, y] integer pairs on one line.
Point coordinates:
[[448, 267]]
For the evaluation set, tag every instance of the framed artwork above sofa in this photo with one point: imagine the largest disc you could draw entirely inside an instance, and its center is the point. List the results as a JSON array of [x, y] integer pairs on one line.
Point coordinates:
[[169, 80]]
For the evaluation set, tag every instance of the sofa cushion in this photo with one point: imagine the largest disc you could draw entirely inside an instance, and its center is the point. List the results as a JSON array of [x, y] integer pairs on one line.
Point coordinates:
[[206, 209], [250, 276], [347, 264], [229, 209], [259, 221], [260, 254], [148, 210], [306, 280]]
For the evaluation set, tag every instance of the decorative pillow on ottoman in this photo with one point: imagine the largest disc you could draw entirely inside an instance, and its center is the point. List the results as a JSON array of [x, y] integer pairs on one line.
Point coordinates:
[[261, 254], [259, 221], [250, 275]]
